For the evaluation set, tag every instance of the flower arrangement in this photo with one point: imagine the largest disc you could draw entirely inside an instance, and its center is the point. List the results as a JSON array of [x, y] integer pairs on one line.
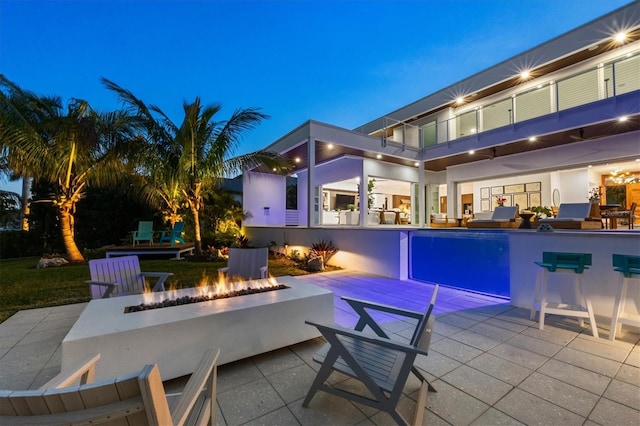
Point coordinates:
[[541, 211], [500, 200], [594, 195]]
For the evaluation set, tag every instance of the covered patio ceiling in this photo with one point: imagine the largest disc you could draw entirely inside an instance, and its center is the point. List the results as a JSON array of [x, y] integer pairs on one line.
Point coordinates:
[[328, 151]]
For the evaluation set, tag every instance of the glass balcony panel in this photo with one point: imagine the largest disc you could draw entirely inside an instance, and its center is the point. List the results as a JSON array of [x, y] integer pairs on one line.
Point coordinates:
[[578, 90], [466, 124], [496, 115], [627, 75], [534, 103], [429, 134]]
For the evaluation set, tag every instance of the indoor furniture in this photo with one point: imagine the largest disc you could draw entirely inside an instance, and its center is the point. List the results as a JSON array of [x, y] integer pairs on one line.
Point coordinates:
[[613, 216]]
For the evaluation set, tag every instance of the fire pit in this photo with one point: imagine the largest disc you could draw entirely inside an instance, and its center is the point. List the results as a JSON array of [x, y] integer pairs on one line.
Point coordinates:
[[219, 290], [176, 337]]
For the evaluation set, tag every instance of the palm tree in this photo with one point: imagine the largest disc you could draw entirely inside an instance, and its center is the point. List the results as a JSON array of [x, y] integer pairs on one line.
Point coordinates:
[[71, 151], [198, 152]]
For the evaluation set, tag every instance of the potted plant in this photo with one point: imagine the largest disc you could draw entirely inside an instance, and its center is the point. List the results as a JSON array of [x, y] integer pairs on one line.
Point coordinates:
[[541, 212]]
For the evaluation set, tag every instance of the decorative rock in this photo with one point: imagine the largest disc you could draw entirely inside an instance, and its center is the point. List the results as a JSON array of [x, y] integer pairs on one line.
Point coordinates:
[[315, 264], [54, 261]]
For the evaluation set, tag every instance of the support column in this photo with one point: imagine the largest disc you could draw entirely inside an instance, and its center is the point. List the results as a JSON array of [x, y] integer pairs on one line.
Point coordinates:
[[422, 208], [364, 198], [452, 199], [311, 178]]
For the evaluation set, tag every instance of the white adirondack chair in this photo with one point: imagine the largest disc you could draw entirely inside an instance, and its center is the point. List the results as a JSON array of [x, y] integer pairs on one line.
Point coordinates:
[[135, 399], [120, 276], [246, 263]]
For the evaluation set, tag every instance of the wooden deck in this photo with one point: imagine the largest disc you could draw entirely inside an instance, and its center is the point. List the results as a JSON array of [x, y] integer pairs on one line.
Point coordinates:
[[175, 251]]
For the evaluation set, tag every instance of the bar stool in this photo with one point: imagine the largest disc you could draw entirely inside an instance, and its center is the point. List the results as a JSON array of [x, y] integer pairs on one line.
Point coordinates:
[[575, 263], [628, 267]]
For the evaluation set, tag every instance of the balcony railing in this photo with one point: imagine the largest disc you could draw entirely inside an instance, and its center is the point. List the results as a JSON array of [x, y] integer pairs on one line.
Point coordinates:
[[603, 81]]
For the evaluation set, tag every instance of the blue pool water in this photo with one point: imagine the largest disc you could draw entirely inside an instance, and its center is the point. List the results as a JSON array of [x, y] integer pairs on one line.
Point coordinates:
[[468, 260]]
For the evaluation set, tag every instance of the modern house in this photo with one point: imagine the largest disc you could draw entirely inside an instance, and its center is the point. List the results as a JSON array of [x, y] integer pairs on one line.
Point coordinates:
[[550, 126], [542, 128]]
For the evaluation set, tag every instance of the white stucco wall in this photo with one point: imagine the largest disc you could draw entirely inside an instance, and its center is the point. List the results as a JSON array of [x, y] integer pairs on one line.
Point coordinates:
[[261, 190]]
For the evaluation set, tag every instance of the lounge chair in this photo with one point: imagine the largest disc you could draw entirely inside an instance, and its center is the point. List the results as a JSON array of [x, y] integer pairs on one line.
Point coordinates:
[[136, 399], [173, 236], [246, 263], [573, 216], [144, 232], [380, 363], [502, 217], [120, 276]]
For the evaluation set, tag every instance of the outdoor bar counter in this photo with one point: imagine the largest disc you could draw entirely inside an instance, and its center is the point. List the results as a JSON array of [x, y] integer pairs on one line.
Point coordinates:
[[502, 262]]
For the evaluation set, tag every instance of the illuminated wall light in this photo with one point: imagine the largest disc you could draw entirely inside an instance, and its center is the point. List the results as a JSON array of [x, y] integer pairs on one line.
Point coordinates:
[[623, 119], [473, 130], [620, 37]]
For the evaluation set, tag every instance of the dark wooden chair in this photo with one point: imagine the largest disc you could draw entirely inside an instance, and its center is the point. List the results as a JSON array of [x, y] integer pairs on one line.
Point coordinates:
[[381, 364], [612, 216]]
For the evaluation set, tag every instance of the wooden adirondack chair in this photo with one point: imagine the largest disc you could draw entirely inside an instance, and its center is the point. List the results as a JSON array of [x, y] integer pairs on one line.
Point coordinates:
[[174, 235], [136, 399], [120, 276], [144, 232], [246, 263], [381, 364]]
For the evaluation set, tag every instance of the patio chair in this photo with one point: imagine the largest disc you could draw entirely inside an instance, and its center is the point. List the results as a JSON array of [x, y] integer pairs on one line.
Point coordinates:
[[573, 216], [502, 217], [381, 364], [137, 398], [120, 276], [144, 232], [246, 263], [174, 235]]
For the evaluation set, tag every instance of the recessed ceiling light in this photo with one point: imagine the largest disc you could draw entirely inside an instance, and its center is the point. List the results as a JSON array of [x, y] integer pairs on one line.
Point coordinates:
[[589, 166], [623, 119], [472, 152], [416, 164], [330, 146], [459, 100], [525, 74], [274, 169], [592, 48], [379, 156], [297, 160], [532, 139], [620, 37]]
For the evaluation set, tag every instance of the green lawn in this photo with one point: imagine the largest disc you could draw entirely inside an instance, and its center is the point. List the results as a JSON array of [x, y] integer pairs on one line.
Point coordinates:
[[22, 286]]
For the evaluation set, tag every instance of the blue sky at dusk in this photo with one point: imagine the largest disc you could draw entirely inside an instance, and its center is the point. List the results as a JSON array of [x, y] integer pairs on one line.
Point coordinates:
[[340, 62]]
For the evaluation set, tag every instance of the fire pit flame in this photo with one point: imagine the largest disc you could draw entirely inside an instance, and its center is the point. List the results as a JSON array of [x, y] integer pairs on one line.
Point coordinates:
[[205, 292]]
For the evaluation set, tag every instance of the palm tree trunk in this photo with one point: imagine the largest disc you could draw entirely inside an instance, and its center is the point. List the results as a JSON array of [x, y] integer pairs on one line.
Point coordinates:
[[66, 224], [196, 229], [24, 211]]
